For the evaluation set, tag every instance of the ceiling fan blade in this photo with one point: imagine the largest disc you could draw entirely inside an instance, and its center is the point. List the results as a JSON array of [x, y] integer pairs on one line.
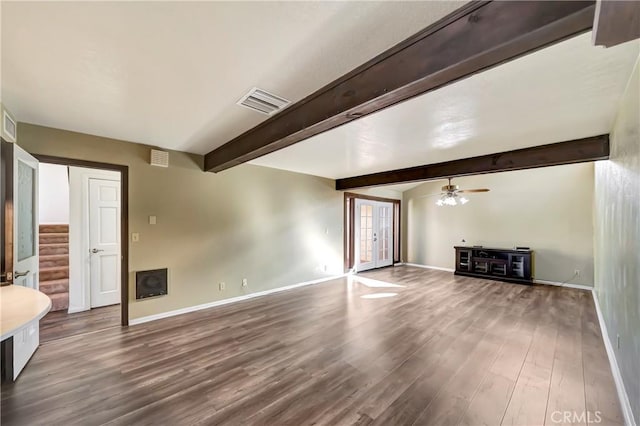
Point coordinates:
[[430, 195], [475, 190]]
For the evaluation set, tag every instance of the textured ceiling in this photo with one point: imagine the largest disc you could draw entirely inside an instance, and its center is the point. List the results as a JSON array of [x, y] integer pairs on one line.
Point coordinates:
[[169, 73], [567, 91]]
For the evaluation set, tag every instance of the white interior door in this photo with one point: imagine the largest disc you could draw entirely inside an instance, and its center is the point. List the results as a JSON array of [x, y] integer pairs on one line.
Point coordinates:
[[25, 219], [104, 241], [25, 247], [373, 234]]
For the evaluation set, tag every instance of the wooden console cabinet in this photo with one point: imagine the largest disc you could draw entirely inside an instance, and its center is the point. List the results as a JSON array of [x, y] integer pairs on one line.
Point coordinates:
[[509, 265]]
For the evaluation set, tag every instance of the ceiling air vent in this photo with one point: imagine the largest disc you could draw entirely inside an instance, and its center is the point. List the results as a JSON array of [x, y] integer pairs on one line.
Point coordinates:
[[262, 101]]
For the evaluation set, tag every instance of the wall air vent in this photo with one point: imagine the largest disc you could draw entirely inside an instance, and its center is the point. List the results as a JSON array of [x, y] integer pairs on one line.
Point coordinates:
[[9, 127], [159, 158], [262, 101]]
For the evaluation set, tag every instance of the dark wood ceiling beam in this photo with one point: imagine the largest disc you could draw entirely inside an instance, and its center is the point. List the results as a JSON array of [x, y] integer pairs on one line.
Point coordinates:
[[570, 152], [616, 22], [474, 38]]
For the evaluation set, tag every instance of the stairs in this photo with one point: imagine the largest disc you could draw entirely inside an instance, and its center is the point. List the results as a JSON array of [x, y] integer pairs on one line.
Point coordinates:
[[54, 265]]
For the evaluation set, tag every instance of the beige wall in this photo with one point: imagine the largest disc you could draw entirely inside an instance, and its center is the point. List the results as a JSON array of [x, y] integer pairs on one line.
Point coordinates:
[[274, 228], [547, 209], [617, 240], [53, 193]]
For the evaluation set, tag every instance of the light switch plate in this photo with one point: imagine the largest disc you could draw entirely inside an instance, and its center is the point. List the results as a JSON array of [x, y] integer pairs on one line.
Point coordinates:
[[135, 237], [152, 220]]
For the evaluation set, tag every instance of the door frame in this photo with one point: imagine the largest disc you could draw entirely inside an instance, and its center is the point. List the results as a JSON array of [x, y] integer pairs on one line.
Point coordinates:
[[6, 241], [124, 220], [6, 198], [349, 231]]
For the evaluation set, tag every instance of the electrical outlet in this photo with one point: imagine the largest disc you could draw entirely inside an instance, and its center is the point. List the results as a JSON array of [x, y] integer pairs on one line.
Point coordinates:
[[135, 237], [618, 341], [221, 286], [244, 282], [576, 272]]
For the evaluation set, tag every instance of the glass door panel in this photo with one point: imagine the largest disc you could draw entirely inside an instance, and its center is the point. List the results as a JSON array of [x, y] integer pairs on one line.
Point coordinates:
[[385, 239], [26, 207], [366, 233]]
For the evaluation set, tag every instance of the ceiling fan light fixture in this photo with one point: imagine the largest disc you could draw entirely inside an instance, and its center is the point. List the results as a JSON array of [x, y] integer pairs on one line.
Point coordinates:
[[451, 195], [451, 199]]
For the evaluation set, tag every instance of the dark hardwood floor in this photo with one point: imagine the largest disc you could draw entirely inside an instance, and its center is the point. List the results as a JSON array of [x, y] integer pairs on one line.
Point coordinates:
[[60, 324], [441, 350]]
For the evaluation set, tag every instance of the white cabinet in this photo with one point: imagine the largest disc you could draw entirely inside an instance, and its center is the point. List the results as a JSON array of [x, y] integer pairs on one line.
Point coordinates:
[[25, 343]]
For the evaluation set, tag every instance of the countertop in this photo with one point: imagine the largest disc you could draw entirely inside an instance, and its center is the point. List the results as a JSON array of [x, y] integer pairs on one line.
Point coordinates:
[[19, 306]]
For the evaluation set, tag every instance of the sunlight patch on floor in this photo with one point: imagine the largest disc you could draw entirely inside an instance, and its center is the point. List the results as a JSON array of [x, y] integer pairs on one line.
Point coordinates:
[[378, 295], [371, 283]]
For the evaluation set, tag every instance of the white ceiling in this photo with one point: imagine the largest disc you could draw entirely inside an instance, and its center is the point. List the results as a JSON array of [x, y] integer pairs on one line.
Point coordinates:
[[568, 91], [169, 73]]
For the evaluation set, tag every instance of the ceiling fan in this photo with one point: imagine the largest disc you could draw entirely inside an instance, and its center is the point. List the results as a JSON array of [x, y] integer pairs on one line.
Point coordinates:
[[450, 195]]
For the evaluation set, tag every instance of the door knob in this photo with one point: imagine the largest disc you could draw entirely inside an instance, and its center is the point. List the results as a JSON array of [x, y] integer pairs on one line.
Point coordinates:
[[95, 250], [17, 274]]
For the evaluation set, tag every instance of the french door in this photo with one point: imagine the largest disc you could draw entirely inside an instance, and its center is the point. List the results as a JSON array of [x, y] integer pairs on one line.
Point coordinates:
[[373, 234]]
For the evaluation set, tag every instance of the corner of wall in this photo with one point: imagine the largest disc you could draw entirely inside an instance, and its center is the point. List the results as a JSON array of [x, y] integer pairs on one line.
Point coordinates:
[[616, 247]]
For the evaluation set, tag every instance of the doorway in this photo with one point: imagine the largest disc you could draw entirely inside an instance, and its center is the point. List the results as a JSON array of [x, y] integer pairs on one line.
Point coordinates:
[[87, 318], [80, 248], [371, 232]]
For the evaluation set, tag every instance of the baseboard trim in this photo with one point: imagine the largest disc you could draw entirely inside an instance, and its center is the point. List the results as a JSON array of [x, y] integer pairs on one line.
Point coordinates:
[[186, 310], [437, 268], [625, 404], [578, 286]]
